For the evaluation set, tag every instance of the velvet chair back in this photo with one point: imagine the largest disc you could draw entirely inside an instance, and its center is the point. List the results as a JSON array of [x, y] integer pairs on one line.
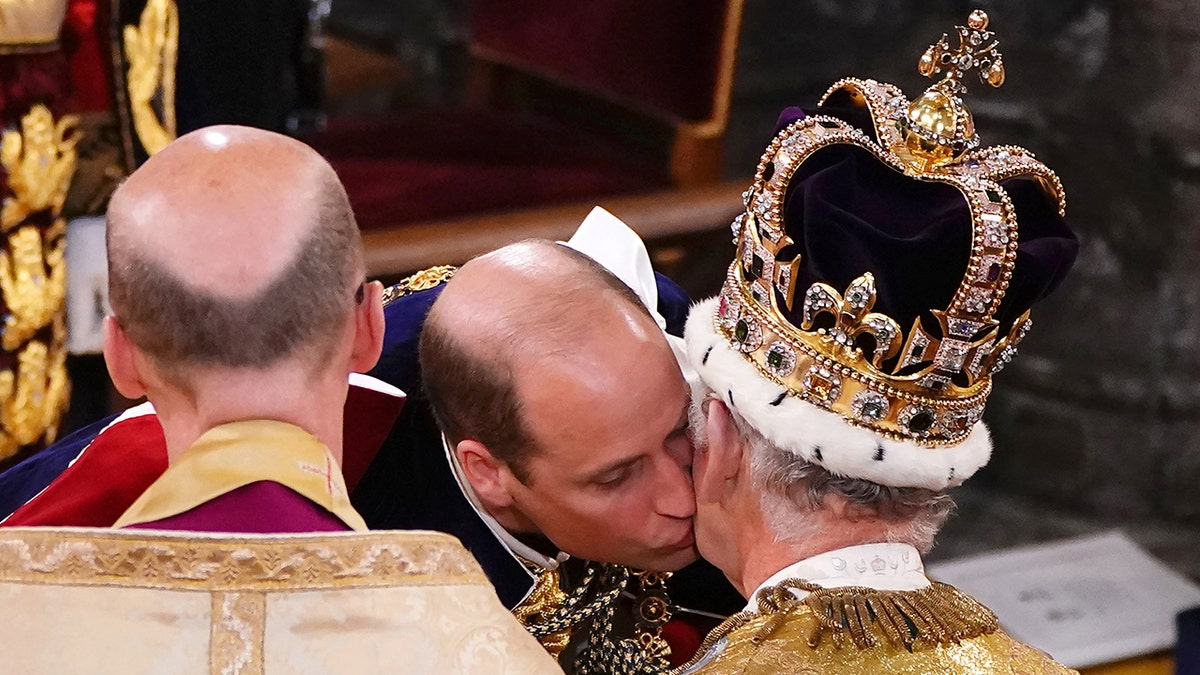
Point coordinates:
[[662, 56]]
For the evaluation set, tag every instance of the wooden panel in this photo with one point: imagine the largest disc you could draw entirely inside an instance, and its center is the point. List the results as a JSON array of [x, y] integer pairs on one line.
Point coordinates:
[[402, 249]]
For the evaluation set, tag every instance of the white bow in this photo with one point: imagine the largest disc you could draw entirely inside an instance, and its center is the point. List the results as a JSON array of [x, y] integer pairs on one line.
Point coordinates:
[[604, 238]]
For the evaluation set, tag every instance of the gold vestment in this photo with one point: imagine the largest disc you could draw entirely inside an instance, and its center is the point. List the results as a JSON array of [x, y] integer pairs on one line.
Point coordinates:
[[143, 602], [860, 630]]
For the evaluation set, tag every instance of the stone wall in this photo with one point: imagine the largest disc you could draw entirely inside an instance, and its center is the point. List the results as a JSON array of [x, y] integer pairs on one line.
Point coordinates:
[[1097, 423]]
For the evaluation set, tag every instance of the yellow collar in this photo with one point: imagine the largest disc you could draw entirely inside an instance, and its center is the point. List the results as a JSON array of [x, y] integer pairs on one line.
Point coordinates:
[[232, 455]]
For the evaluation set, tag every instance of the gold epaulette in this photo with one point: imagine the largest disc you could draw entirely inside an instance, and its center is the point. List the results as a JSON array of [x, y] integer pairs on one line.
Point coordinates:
[[864, 630], [421, 281]]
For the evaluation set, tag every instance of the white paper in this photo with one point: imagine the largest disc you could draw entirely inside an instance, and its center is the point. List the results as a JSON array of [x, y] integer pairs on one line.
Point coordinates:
[[1084, 601]]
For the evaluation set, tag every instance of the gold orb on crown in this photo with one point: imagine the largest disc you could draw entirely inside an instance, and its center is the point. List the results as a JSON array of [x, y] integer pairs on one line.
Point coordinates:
[[938, 128]]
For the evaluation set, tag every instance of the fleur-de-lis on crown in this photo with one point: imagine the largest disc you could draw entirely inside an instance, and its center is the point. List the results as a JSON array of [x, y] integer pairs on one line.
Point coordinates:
[[853, 318]]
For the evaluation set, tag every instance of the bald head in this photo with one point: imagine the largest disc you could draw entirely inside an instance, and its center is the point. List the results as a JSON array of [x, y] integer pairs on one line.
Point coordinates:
[[525, 293], [232, 246], [224, 209], [504, 311]]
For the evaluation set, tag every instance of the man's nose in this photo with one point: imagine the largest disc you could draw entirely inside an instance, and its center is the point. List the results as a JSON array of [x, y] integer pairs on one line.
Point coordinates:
[[674, 496]]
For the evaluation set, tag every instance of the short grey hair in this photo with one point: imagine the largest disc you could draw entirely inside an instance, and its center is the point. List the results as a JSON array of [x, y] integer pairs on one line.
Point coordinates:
[[790, 486]]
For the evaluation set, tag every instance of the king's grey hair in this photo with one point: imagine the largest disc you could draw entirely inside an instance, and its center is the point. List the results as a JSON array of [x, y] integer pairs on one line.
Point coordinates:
[[791, 488]]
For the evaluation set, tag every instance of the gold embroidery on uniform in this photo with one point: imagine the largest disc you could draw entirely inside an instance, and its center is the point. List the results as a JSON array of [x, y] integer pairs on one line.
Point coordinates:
[[856, 618], [863, 617], [421, 281], [554, 617], [151, 48]]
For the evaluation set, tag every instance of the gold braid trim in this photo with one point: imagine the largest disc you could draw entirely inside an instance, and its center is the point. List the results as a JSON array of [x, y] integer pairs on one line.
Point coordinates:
[[545, 601], [421, 281], [234, 563], [939, 615]]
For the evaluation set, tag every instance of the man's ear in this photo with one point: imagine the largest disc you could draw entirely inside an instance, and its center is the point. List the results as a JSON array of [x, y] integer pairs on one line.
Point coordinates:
[[120, 356], [486, 474], [723, 465], [368, 329]]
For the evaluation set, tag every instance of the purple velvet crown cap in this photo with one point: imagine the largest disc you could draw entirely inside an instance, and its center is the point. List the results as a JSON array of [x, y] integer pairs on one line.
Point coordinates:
[[848, 213]]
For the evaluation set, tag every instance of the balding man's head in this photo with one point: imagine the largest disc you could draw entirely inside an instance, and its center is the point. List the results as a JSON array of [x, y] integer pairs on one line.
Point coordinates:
[[527, 301], [564, 405], [232, 247]]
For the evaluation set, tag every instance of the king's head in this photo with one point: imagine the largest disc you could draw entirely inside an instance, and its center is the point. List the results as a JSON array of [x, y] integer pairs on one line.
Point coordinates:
[[880, 281]]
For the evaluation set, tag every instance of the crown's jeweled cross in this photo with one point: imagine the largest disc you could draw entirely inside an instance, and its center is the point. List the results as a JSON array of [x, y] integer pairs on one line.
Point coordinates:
[[938, 128], [976, 49]]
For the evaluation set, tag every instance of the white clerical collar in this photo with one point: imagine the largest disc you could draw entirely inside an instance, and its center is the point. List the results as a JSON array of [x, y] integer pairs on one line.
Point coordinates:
[[885, 567], [515, 546]]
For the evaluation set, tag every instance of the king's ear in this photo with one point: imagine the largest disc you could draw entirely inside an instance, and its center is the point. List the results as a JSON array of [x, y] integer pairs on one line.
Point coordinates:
[[722, 467], [121, 358]]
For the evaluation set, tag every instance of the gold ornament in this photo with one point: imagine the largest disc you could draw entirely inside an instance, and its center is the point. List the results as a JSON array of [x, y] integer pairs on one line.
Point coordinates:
[[34, 298], [151, 48], [853, 318], [857, 630], [938, 127], [938, 123], [39, 160], [544, 601], [32, 400], [556, 617], [421, 281], [652, 611]]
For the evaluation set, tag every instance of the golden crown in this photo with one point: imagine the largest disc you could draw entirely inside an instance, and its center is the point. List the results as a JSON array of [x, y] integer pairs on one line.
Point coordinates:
[[926, 387]]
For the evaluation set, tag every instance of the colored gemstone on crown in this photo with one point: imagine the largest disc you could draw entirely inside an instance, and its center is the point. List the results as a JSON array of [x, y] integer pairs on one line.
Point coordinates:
[[741, 331], [869, 406], [781, 359], [822, 386], [918, 420]]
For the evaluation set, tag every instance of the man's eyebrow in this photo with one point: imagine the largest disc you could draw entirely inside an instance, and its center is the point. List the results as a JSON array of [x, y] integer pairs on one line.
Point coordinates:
[[613, 466], [630, 461]]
